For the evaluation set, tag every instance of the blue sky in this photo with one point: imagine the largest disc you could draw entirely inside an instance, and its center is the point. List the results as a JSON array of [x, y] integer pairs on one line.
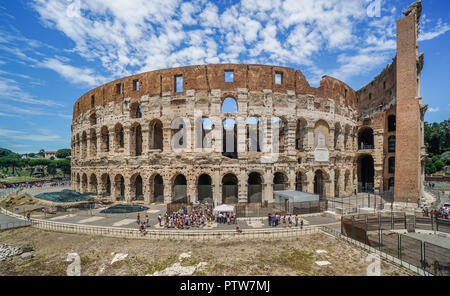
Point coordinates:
[[53, 51]]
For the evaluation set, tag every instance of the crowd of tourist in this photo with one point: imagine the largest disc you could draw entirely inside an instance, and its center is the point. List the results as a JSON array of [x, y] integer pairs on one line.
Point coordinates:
[[442, 213]]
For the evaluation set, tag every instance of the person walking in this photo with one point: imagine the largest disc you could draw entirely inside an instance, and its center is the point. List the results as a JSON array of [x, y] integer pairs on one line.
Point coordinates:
[[138, 219], [159, 220], [296, 221], [270, 219], [147, 222], [301, 224]]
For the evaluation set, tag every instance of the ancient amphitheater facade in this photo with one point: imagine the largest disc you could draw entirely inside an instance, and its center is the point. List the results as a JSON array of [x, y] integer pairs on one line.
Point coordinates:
[[234, 133]]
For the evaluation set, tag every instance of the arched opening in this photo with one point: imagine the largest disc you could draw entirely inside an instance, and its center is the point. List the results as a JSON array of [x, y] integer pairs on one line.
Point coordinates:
[[299, 179], [204, 189], [93, 184], [253, 134], [179, 192], [229, 105], [106, 183], [118, 131], [365, 138], [301, 134], [319, 184], [105, 139], [93, 143], [229, 189], [84, 145], [366, 173], [391, 123], [136, 186], [93, 119], [135, 110], [254, 188], [280, 181], [282, 126], [337, 134], [207, 128], [119, 184], [78, 145], [229, 138], [158, 189], [391, 144], [156, 134], [321, 134], [84, 184], [136, 143]]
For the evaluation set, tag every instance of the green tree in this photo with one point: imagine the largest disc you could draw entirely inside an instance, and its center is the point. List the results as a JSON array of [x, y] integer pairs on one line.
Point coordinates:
[[52, 169], [64, 166], [63, 153]]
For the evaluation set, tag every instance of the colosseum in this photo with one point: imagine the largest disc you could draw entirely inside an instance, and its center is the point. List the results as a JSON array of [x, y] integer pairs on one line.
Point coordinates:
[[331, 140]]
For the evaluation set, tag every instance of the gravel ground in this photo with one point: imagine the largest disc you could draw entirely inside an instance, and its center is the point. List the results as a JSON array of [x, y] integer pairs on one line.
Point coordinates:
[[141, 257]]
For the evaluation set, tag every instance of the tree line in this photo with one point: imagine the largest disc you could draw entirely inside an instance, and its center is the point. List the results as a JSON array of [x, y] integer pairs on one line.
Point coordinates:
[[437, 143]]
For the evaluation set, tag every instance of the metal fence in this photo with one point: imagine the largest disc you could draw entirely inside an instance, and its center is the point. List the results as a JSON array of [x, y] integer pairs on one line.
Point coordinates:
[[15, 224], [355, 204], [377, 231]]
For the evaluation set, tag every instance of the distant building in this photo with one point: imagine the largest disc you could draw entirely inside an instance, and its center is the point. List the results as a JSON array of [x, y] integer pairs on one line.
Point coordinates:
[[50, 154]]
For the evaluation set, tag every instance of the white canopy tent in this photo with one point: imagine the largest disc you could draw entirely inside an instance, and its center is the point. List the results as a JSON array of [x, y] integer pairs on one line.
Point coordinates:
[[224, 208]]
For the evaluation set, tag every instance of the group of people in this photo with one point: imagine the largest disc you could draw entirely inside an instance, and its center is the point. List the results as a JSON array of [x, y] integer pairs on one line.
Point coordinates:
[[226, 218], [442, 213], [276, 219]]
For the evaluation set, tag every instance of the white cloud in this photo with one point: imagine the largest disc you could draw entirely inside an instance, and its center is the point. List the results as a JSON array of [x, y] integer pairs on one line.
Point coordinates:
[[37, 136], [74, 74], [433, 109], [439, 29]]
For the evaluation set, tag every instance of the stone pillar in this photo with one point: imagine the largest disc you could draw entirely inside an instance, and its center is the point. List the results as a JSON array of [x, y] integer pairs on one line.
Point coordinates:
[[310, 179], [310, 128], [242, 189], [127, 140], [191, 189], [128, 189], [145, 128], [216, 188], [331, 139]]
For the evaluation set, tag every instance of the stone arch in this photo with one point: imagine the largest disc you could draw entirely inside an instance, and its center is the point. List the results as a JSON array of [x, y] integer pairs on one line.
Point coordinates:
[[119, 185], [347, 132], [301, 134], [78, 184], [366, 173], [93, 142], [254, 134], [135, 110], [179, 139], [391, 144], [104, 132], [136, 187], [84, 183], [337, 189], [347, 182], [320, 179], [280, 181], [93, 184], [204, 188], [300, 180], [230, 187], [136, 139], [255, 188], [179, 188], [119, 136], [93, 119], [229, 138], [78, 145], [84, 145], [365, 138], [391, 123], [229, 105], [156, 134], [156, 188], [321, 127], [282, 124], [106, 184]]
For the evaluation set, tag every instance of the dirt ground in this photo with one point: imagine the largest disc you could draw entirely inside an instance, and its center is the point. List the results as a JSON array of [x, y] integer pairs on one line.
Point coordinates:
[[145, 257]]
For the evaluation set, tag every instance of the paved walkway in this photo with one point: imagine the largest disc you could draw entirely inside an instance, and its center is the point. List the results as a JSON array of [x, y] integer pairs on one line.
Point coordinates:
[[94, 217]]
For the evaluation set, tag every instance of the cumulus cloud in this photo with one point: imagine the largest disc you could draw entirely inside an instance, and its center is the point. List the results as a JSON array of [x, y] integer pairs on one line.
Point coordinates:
[[438, 30], [433, 109]]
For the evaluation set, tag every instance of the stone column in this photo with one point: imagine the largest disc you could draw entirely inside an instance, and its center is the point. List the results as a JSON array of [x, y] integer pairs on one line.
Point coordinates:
[[127, 140], [310, 128], [216, 188], [242, 189], [145, 128]]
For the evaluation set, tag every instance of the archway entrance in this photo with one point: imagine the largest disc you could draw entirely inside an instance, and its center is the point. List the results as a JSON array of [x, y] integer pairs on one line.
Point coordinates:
[[120, 187], [254, 188], [179, 193], [319, 184], [366, 173], [158, 188], [280, 182], [204, 189], [299, 181], [229, 189], [136, 184]]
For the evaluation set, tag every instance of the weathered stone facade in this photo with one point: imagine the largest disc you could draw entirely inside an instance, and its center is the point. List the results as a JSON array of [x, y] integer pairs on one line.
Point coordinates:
[[122, 135]]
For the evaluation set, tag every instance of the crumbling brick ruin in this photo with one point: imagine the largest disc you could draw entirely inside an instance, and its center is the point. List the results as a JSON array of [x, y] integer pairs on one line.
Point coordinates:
[[333, 140]]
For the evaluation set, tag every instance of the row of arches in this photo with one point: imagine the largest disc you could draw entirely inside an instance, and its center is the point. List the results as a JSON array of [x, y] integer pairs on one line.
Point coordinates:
[[116, 187], [101, 141]]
